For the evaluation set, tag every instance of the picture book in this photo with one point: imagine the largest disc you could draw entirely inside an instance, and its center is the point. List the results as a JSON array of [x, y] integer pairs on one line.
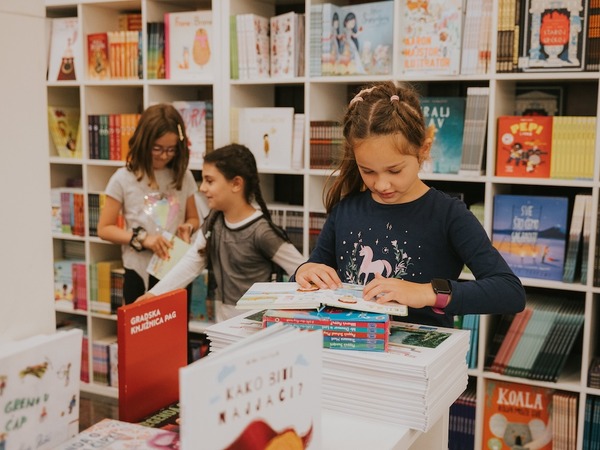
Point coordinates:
[[447, 116], [152, 337], [63, 125], [268, 132], [287, 45], [357, 39], [97, 54], [159, 267], [261, 392], [524, 147], [194, 117], [118, 435], [554, 36], [189, 45], [39, 390], [289, 295], [517, 415], [66, 50], [431, 36], [530, 233]]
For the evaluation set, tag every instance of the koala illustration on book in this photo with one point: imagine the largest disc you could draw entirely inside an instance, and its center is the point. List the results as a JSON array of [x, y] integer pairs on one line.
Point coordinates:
[[533, 435]]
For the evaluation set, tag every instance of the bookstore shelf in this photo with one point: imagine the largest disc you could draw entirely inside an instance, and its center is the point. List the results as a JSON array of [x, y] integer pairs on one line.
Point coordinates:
[[299, 191]]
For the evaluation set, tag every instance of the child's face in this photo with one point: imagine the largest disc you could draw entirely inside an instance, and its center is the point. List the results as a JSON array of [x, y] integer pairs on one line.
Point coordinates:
[[391, 177], [164, 150], [217, 189]]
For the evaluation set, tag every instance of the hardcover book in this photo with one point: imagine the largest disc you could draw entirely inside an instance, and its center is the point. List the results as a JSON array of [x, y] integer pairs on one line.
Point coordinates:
[[530, 233], [261, 392], [39, 390], [287, 45], [98, 62], [524, 147], [517, 415], [189, 45], [289, 295], [66, 50], [63, 124], [152, 337], [447, 116], [194, 117]]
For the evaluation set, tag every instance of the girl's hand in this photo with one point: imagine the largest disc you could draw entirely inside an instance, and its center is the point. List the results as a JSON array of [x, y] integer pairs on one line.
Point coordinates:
[[383, 290], [158, 244], [146, 296], [184, 232], [320, 275]]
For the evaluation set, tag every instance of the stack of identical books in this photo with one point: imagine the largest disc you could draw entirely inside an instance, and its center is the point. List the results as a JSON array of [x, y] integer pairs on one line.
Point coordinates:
[[412, 384]]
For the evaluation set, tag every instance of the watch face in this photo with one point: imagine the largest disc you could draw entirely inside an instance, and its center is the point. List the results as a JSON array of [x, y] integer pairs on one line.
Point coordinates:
[[441, 286]]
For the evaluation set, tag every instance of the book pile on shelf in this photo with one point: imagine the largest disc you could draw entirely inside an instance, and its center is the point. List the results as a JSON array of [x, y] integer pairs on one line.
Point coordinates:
[[591, 428], [474, 130], [326, 144], [353, 39], [156, 50], [67, 211], [109, 134], [470, 322], [476, 37], [537, 342], [594, 373], [104, 361], [423, 373], [461, 426], [63, 125], [115, 55], [542, 147], [293, 224], [103, 282], [95, 205]]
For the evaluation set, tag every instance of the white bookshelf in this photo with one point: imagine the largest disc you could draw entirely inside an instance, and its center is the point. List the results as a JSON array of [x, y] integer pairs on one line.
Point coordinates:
[[324, 98]]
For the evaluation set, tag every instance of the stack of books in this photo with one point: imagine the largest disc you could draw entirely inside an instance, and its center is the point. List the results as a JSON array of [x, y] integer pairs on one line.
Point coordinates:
[[412, 385]]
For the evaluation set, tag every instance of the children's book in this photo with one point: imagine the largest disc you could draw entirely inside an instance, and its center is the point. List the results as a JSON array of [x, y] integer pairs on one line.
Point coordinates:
[[530, 233], [194, 117], [517, 416], [63, 124], [39, 390], [111, 434], [524, 146], [66, 50], [268, 133], [98, 62], [159, 267], [189, 45], [287, 45], [447, 116], [152, 337], [289, 295], [261, 392]]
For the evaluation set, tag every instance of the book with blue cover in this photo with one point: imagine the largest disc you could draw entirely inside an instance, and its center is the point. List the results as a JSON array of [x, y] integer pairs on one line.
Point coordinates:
[[530, 232]]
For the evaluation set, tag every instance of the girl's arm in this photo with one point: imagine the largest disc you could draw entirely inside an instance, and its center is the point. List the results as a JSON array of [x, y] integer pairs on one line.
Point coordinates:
[[192, 220], [288, 258]]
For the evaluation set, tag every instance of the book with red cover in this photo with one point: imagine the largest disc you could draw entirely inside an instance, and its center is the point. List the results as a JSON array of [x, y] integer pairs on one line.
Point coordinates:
[[524, 146], [152, 336]]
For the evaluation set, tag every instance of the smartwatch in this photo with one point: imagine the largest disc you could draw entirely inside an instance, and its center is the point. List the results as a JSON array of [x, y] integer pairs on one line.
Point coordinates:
[[443, 291], [138, 236]]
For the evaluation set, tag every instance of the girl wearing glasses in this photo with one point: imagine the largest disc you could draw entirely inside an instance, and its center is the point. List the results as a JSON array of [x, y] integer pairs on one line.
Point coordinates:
[[153, 192]]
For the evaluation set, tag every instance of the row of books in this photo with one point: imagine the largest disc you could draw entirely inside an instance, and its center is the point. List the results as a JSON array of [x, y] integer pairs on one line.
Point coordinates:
[[156, 51], [537, 342], [95, 205], [326, 144], [109, 134], [461, 424], [591, 426], [293, 224], [67, 211], [79, 323], [115, 55], [105, 370]]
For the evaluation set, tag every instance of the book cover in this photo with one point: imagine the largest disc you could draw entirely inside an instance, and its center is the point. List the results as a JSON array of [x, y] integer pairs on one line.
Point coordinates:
[[261, 392], [524, 146], [39, 390], [268, 132], [530, 233], [159, 267], [287, 44], [118, 435], [194, 117], [97, 48], [554, 36], [431, 33], [189, 45], [447, 115], [517, 416], [66, 50], [289, 295], [63, 125], [152, 337]]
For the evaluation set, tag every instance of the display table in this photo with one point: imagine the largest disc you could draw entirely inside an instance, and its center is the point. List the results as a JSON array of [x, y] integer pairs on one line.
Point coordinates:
[[341, 431]]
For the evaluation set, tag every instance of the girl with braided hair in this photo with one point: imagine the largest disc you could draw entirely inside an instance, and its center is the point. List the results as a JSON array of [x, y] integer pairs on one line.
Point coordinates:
[[240, 243], [386, 229]]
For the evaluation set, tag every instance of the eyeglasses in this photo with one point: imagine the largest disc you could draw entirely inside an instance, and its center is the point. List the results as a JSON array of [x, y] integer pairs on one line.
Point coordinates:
[[159, 150]]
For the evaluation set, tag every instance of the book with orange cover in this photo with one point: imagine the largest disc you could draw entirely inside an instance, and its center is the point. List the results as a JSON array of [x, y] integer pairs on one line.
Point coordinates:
[[152, 336]]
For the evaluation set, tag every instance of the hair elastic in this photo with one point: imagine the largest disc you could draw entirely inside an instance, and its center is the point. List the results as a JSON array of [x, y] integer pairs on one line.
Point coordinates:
[[394, 98], [180, 132]]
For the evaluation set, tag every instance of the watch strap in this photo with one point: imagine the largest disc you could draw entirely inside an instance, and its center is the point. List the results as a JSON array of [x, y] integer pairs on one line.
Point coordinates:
[[441, 301]]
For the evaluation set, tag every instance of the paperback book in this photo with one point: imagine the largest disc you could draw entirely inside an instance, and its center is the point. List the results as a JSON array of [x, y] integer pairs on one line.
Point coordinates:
[[158, 266], [63, 124], [66, 50], [530, 233], [289, 295], [194, 117], [261, 392]]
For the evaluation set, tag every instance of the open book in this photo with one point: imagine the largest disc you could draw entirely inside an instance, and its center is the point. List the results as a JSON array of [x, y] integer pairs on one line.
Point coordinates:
[[159, 267], [291, 296]]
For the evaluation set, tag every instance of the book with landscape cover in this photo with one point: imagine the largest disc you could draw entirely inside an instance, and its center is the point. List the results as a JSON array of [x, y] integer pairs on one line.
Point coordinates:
[[39, 390], [66, 50], [530, 233], [517, 416], [289, 295], [447, 115], [63, 124], [152, 336], [524, 147], [189, 45], [261, 392]]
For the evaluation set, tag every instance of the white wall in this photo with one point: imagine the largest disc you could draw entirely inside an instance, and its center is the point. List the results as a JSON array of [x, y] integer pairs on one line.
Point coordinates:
[[26, 275]]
